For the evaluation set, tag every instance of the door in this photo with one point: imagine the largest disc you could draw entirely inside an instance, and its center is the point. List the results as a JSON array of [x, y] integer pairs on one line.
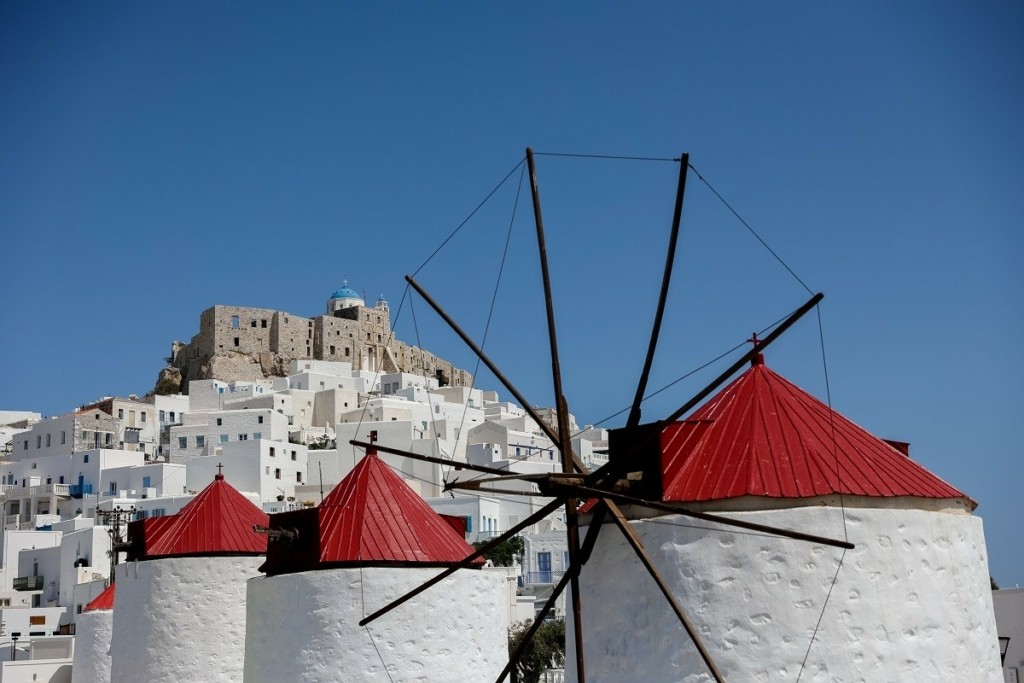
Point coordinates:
[[543, 567]]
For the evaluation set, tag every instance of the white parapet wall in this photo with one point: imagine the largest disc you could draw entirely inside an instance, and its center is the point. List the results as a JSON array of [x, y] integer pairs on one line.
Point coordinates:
[[92, 647], [305, 627], [181, 619], [910, 603]]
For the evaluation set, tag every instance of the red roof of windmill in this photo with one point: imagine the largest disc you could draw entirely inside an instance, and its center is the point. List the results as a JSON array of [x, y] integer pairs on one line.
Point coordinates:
[[373, 516], [218, 521], [105, 600], [764, 436]]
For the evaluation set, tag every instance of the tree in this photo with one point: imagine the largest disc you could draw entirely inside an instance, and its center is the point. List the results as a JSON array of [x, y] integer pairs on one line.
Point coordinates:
[[506, 554], [545, 651]]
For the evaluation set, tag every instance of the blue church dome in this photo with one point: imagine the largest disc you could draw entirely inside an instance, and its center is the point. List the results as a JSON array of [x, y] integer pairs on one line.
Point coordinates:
[[346, 293]]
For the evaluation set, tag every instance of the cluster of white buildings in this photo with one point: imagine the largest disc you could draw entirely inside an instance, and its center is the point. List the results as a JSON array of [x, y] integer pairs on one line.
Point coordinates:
[[282, 442]]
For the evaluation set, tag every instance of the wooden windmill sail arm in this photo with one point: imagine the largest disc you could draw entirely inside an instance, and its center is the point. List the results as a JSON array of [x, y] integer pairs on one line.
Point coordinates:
[[586, 491], [569, 459], [573, 571], [638, 548], [465, 562], [621, 465], [429, 458], [541, 422], [670, 255]]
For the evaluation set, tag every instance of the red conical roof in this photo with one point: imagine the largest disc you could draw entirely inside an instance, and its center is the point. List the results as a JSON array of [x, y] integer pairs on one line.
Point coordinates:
[[218, 521], [373, 516], [104, 600], [764, 436]]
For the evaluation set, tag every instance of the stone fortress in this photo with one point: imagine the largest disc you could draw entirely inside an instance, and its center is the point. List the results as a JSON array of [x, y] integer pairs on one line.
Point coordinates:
[[241, 343]]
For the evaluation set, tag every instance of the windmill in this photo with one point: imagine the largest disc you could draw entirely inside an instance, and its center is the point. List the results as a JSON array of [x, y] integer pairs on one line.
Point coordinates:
[[625, 480]]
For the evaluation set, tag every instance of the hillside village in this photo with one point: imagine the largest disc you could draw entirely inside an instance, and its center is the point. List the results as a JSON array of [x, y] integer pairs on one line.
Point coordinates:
[[225, 527], [273, 420]]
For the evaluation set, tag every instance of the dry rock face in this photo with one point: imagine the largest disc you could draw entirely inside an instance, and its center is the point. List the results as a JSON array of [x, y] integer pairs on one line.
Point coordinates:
[[168, 381]]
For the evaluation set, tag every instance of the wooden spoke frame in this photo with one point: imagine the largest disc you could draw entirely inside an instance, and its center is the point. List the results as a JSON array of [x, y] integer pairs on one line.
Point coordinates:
[[606, 484]]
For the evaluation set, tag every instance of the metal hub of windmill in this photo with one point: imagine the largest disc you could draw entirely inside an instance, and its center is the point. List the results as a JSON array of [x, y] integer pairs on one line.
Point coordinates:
[[630, 478]]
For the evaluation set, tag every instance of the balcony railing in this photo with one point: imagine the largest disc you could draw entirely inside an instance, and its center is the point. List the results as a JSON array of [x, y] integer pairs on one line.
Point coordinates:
[[79, 490], [541, 578], [47, 489], [28, 583]]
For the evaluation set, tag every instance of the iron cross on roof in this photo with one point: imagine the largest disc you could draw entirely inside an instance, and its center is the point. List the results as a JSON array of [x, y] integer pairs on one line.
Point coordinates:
[[759, 358]]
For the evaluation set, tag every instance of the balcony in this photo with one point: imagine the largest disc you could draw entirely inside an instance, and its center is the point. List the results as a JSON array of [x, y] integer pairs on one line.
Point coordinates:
[[48, 489], [541, 578], [28, 583], [79, 490]]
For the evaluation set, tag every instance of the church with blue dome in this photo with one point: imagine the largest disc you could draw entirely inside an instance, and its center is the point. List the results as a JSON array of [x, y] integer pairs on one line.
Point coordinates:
[[343, 298], [246, 343]]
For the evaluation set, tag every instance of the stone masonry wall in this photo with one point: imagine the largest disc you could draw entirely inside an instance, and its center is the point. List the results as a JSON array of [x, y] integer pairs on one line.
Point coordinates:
[[237, 342]]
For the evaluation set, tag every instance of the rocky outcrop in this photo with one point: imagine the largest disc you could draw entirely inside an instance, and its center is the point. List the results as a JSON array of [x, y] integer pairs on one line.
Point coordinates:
[[234, 367], [167, 382]]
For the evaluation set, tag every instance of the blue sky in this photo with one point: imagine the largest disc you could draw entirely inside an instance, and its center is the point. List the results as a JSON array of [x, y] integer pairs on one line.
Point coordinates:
[[160, 158]]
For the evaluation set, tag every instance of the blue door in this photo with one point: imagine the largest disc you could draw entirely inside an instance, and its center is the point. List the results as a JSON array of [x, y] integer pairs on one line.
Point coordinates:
[[543, 567]]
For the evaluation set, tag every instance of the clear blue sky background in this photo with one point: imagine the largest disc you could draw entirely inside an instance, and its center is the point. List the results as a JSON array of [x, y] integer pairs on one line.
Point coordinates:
[[158, 158]]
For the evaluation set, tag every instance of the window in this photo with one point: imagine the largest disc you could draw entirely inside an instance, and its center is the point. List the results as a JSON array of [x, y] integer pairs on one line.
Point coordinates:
[[147, 482], [219, 422], [172, 416], [253, 324], [266, 470], [272, 451], [200, 440], [223, 438], [182, 442], [85, 458], [346, 351], [113, 487], [143, 415], [298, 477], [162, 416], [236, 341], [62, 437], [158, 512], [234, 323], [277, 473], [47, 440], [257, 435], [120, 413], [263, 323], [259, 419], [293, 455], [469, 524], [39, 441], [243, 437], [26, 444], [107, 439]]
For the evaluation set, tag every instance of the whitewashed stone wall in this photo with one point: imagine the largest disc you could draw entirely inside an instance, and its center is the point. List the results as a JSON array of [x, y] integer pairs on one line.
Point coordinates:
[[181, 619], [91, 663], [305, 627], [911, 602]]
